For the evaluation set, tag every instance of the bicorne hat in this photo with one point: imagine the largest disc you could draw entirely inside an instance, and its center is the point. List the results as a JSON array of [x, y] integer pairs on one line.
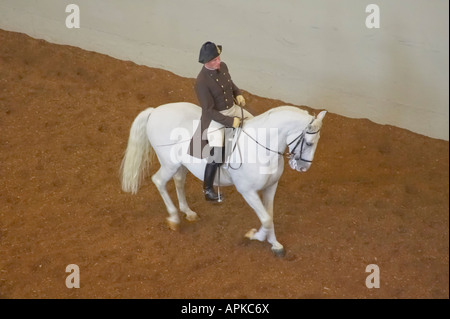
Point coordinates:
[[209, 51]]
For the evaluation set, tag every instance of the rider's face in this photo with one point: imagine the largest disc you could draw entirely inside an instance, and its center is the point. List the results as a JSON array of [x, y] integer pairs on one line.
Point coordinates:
[[213, 64]]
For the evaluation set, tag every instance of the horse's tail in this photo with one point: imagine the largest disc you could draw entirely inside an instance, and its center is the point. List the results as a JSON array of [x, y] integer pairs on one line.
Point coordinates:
[[138, 154]]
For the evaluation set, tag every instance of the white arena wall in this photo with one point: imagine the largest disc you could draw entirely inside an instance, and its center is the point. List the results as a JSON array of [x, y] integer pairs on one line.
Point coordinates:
[[318, 53]]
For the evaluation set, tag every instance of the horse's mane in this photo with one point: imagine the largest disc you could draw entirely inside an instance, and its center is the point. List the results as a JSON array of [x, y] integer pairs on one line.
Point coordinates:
[[266, 115]]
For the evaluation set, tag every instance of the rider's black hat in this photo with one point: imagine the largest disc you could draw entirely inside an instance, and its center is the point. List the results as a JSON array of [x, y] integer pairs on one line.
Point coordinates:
[[209, 51]]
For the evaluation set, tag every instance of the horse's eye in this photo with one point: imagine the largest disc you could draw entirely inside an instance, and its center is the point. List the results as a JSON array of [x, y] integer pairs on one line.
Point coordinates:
[[309, 144]]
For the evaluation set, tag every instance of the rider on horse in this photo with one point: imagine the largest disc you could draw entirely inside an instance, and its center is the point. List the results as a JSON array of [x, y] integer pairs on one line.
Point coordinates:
[[217, 95]]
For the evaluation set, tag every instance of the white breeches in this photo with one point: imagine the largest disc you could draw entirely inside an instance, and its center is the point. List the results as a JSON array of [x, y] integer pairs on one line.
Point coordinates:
[[216, 130]]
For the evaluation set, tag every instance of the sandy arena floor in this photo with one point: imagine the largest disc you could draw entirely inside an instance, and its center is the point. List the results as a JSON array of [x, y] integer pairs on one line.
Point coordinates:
[[376, 194]]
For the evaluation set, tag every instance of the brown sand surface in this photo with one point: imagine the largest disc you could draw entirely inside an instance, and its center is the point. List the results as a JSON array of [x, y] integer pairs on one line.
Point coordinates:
[[376, 194]]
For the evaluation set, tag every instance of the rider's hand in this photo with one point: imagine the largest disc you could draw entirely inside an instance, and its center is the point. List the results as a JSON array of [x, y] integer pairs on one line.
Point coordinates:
[[236, 122], [240, 100]]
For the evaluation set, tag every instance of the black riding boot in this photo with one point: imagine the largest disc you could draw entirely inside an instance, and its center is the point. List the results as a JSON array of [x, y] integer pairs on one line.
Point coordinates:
[[208, 182], [214, 162]]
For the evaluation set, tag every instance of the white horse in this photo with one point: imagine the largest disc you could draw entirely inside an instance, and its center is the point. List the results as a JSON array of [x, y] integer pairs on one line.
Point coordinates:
[[255, 166]]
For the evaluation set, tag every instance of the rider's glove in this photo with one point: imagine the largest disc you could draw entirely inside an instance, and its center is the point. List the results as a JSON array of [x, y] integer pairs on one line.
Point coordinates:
[[240, 100]]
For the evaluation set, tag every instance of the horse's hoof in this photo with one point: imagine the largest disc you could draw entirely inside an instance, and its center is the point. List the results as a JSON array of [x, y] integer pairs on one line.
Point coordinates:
[[280, 252], [173, 225], [192, 217], [250, 233]]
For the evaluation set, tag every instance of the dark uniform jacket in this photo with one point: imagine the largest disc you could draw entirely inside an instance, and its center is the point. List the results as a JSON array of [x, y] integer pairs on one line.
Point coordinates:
[[215, 92]]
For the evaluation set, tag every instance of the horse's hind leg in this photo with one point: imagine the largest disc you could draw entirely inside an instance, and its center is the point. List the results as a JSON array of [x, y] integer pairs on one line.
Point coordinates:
[[180, 179], [160, 179]]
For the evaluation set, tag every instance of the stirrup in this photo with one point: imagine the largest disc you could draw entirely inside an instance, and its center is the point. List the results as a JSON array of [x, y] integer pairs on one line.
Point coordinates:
[[212, 196]]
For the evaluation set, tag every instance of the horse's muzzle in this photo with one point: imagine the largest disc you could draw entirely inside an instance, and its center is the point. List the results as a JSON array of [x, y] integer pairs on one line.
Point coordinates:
[[299, 166]]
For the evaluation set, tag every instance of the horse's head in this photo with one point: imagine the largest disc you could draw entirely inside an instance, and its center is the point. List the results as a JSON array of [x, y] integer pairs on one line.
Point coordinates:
[[303, 147]]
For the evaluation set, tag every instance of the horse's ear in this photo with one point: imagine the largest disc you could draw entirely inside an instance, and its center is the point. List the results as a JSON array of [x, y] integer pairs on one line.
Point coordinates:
[[321, 115]]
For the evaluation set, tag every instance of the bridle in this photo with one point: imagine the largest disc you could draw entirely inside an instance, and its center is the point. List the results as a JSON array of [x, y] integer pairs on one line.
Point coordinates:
[[300, 141]]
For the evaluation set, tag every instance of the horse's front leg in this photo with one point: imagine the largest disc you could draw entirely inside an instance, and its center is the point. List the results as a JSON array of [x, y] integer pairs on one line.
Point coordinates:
[[268, 196], [267, 230]]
